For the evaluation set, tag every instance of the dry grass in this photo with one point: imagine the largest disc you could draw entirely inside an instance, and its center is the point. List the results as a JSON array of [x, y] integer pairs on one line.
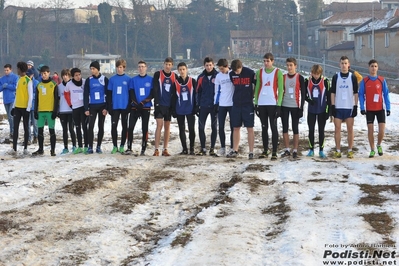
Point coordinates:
[[373, 196], [381, 223]]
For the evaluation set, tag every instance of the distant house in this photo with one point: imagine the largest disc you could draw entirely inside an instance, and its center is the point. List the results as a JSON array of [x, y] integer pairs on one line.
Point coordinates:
[[385, 32], [107, 61], [251, 42], [389, 4], [334, 53]]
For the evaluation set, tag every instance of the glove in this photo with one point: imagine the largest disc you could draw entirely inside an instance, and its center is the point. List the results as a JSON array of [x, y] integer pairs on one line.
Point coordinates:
[[257, 110], [333, 113], [388, 113], [70, 106], [300, 113], [310, 101], [216, 108], [140, 106], [354, 111], [197, 110], [156, 109], [36, 115], [326, 116], [363, 112], [173, 113], [277, 114], [5, 85], [111, 112], [54, 115], [12, 112]]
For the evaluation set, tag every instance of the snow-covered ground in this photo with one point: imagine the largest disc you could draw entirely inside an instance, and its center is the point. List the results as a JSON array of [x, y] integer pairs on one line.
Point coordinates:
[[191, 210]]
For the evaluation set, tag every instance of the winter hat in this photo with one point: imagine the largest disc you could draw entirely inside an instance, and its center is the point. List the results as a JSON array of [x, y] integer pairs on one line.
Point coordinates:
[[75, 70], [30, 63], [30, 72], [95, 64]]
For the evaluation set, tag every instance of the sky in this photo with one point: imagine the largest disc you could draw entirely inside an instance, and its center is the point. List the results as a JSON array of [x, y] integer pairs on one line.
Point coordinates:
[[191, 210], [96, 2]]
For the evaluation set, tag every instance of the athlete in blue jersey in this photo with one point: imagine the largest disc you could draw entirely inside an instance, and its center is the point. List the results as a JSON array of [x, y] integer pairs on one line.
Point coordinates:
[[141, 94], [119, 97], [205, 105], [94, 98], [162, 84], [183, 106]]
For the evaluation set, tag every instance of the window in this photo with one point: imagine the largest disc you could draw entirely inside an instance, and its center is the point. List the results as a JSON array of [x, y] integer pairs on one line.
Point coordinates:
[[370, 41], [360, 42], [387, 39]]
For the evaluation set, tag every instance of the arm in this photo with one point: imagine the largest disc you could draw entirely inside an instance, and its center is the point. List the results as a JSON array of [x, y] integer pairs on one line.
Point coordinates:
[[30, 96], [217, 90], [385, 92], [198, 91], [56, 99], [303, 91], [67, 96], [361, 95], [108, 95], [280, 79], [355, 92], [333, 89], [86, 94], [257, 87]]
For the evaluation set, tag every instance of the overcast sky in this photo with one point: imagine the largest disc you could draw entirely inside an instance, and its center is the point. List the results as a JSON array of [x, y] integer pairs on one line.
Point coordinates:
[[78, 3]]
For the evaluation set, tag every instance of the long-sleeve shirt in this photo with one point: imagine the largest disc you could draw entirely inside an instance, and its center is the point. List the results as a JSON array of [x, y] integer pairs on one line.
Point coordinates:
[[206, 88], [118, 85], [10, 89], [374, 93], [95, 92], [243, 87], [224, 90], [73, 93], [269, 89], [141, 90]]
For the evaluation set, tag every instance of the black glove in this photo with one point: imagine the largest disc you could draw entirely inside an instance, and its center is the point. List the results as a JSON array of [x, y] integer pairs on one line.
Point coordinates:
[[36, 115], [326, 116], [354, 111], [12, 112], [388, 113], [173, 113], [140, 106], [54, 115], [300, 113], [363, 112], [277, 114], [156, 109], [257, 110], [197, 110], [333, 112], [310, 101], [216, 108]]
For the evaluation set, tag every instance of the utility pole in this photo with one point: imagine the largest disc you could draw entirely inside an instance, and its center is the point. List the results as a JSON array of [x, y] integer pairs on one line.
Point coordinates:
[[299, 42], [8, 38], [126, 41], [169, 38], [372, 33]]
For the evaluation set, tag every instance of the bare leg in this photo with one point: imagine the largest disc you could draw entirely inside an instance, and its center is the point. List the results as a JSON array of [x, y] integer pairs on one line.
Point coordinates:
[[286, 140], [296, 141], [158, 132], [166, 134], [236, 138], [349, 128], [370, 131], [381, 133], [251, 138], [337, 133]]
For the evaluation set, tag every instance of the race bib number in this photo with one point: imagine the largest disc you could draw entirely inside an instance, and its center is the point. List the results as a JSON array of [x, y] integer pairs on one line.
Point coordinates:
[[376, 98], [184, 96], [291, 90], [119, 90], [167, 87], [97, 95], [80, 96], [44, 91], [315, 93], [142, 92]]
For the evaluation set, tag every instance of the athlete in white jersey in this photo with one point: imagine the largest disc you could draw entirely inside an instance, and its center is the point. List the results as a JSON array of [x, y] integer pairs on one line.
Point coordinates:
[[344, 97]]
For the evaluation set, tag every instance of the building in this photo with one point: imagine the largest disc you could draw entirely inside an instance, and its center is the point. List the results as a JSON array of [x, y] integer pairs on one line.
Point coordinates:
[[379, 37], [83, 61], [250, 42]]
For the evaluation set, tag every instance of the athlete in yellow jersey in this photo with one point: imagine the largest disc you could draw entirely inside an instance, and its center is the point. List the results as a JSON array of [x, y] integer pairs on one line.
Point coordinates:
[[22, 105], [46, 108]]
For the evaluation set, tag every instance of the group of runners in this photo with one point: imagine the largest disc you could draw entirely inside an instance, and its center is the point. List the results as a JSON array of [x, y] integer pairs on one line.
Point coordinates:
[[233, 89]]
